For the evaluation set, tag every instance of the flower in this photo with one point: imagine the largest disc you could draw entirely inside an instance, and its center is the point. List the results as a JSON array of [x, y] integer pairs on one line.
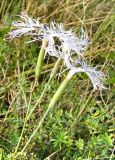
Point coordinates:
[[26, 26], [61, 42], [96, 77]]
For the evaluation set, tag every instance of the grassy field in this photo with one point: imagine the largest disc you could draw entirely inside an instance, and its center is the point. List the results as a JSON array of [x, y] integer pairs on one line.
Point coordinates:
[[81, 125]]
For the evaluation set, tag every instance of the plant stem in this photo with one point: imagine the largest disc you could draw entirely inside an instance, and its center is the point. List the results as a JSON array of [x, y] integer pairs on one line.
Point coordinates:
[[59, 92], [39, 100], [16, 149], [53, 73], [28, 115], [51, 105], [40, 59], [56, 67]]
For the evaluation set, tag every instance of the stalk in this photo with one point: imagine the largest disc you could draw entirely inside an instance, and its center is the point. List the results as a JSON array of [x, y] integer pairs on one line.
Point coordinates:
[[52, 103], [56, 67], [40, 59], [53, 73], [60, 90]]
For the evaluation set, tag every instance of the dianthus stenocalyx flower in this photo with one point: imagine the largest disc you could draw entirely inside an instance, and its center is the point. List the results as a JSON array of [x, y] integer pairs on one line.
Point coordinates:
[[61, 44], [60, 41], [27, 26], [80, 65]]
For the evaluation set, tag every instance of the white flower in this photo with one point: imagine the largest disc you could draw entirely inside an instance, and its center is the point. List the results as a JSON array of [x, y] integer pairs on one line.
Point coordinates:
[[96, 77], [61, 44], [26, 26], [60, 41], [67, 42]]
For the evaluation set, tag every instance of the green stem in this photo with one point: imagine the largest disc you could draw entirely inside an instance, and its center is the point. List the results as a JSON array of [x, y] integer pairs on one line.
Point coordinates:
[[40, 59], [28, 115], [56, 67], [59, 92], [16, 149], [53, 73], [51, 105], [39, 100]]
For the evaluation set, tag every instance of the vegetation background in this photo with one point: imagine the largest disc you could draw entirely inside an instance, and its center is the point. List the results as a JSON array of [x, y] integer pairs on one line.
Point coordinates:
[[81, 126]]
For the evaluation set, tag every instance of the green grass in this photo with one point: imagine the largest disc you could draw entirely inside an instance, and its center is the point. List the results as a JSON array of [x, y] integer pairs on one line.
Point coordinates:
[[81, 126]]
